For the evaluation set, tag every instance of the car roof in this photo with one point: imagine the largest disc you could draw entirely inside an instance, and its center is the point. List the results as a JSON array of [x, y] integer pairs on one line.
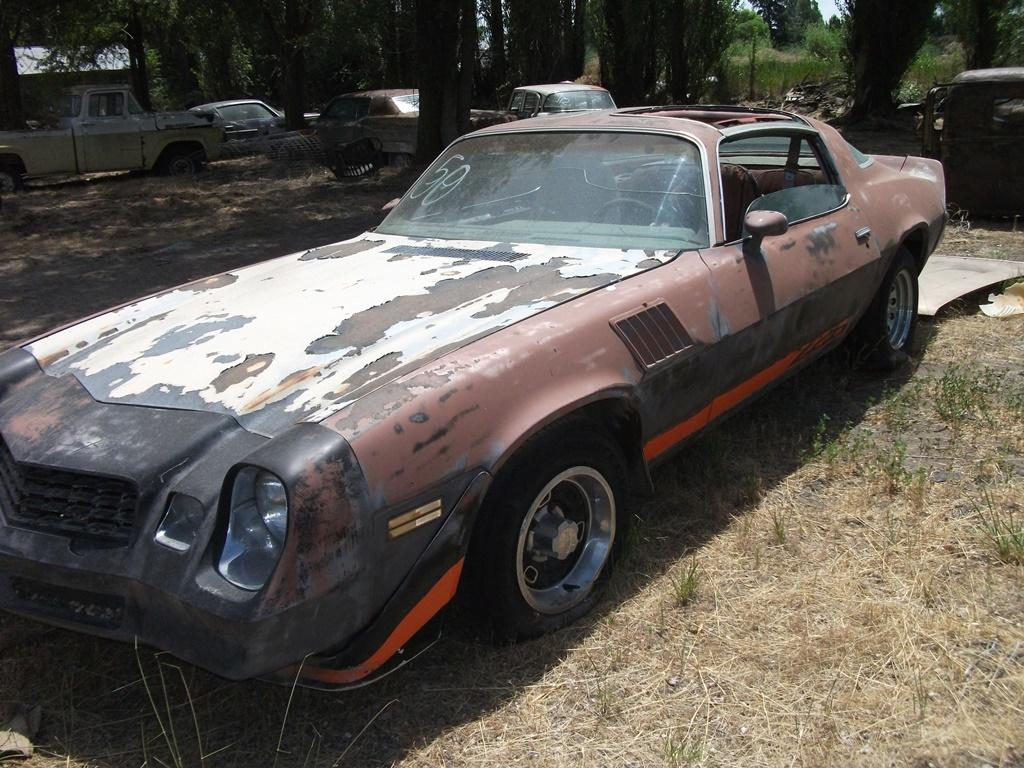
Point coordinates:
[[549, 88], [231, 103], [707, 122], [983, 75], [382, 92]]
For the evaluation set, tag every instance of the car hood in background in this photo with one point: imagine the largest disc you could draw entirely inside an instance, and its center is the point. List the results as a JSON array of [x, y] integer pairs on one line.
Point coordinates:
[[303, 336]]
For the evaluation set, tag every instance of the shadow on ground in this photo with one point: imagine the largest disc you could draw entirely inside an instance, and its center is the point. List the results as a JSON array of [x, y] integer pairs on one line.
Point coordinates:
[[98, 711]]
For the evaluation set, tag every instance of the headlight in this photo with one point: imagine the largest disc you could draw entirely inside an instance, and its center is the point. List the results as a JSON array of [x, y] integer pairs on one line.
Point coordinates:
[[257, 527], [178, 529]]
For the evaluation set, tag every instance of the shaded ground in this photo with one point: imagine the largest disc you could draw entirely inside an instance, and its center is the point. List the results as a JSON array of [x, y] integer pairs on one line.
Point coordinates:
[[817, 583], [67, 250]]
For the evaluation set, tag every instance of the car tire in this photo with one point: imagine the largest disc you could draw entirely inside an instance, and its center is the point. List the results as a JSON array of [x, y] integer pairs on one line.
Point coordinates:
[[549, 533], [10, 180], [182, 162], [886, 332]]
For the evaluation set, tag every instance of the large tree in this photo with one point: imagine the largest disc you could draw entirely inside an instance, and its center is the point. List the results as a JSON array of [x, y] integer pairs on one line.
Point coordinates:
[[13, 16], [628, 47], [978, 24], [445, 37], [883, 38], [697, 34], [290, 23]]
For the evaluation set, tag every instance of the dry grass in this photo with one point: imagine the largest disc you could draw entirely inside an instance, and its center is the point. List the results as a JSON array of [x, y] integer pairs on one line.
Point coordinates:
[[828, 580]]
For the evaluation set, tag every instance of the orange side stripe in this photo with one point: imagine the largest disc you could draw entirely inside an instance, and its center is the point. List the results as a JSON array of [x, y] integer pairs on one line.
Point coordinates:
[[661, 443], [730, 399], [437, 598]]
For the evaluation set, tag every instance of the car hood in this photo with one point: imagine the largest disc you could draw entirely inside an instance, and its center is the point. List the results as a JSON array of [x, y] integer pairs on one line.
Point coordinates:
[[301, 337]]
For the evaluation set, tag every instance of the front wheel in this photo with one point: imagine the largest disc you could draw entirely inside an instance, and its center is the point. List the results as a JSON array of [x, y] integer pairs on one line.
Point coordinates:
[[549, 533], [886, 331], [184, 162], [10, 180]]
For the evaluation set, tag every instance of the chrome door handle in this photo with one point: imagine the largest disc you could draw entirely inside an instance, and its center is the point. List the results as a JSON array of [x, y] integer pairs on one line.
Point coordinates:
[[863, 234]]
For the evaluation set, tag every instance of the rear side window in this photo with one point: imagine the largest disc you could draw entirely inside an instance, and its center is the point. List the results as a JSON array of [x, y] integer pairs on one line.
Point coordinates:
[[106, 104], [347, 108], [530, 101], [859, 157], [791, 174], [1008, 116], [517, 101]]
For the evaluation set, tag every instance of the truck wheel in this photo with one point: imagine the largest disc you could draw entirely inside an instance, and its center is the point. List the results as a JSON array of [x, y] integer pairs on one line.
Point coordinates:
[[183, 162], [10, 180], [549, 532], [885, 333]]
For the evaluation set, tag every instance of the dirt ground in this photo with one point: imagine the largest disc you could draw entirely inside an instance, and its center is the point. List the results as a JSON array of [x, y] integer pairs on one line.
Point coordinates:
[[834, 579]]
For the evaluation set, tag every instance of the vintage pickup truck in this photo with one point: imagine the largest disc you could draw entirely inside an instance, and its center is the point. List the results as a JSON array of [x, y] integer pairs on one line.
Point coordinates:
[[105, 129]]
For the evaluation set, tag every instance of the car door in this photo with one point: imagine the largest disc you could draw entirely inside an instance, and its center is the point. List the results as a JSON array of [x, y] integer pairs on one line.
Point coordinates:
[[109, 136], [781, 300]]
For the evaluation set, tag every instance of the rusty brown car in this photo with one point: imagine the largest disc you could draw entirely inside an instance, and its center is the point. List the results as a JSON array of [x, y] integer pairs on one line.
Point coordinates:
[[291, 469]]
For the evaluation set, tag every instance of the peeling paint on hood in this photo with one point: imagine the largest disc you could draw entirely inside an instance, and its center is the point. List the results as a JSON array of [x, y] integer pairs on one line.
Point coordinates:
[[303, 336]]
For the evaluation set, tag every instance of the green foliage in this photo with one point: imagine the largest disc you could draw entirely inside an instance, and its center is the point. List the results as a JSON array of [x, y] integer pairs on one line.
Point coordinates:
[[823, 42]]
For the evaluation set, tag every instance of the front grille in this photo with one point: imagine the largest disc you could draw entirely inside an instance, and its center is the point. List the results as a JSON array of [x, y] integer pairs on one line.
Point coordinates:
[[70, 604], [69, 503], [653, 334]]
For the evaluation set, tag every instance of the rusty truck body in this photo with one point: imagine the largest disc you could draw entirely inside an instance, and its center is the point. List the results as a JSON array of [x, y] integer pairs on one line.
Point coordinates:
[[975, 125], [103, 128]]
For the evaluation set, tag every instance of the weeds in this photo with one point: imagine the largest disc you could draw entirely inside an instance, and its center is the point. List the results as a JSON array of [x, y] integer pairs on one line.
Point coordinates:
[[778, 527], [959, 395], [684, 586], [1003, 529], [683, 750], [892, 468]]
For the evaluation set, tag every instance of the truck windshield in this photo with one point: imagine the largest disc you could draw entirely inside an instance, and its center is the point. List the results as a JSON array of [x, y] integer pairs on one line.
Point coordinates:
[[592, 188]]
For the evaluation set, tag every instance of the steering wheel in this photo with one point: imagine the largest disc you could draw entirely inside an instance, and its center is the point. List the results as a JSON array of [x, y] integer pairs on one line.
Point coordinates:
[[642, 213]]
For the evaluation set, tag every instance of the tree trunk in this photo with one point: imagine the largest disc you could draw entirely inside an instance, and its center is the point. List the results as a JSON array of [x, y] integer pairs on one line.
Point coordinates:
[[468, 44], [12, 116], [753, 64], [496, 30], [437, 54], [137, 56], [884, 37]]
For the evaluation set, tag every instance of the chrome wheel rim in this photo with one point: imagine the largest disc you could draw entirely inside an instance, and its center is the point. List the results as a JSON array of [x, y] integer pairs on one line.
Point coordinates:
[[565, 540], [899, 309]]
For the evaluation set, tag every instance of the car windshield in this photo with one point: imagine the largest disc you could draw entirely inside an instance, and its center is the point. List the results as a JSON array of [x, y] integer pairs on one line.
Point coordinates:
[[346, 108], [594, 188]]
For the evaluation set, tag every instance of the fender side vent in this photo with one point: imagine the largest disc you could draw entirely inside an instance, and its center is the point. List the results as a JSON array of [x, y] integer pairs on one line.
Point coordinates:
[[653, 334]]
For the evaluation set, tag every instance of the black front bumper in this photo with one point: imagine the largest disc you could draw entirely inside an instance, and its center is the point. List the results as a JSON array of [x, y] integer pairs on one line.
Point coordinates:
[[340, 586]]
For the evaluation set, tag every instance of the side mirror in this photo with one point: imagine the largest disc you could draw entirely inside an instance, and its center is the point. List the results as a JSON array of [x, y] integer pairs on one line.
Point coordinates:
[[390, 204], [762, 224]]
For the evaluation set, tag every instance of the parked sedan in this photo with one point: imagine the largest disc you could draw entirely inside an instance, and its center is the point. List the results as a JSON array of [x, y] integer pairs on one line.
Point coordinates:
[[244, 118], [248, 118], [291, 469], [385, 117], [557, 99]]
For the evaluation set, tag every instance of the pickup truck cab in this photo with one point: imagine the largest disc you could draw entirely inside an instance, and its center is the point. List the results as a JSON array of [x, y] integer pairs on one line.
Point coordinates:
[[105, 129]]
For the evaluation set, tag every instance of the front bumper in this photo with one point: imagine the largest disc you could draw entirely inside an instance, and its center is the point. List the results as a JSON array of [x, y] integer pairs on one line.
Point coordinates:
[[341, 586]]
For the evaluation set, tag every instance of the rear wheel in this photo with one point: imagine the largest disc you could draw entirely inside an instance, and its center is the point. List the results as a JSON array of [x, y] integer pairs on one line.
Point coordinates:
[[886, 332], [549, 532]]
